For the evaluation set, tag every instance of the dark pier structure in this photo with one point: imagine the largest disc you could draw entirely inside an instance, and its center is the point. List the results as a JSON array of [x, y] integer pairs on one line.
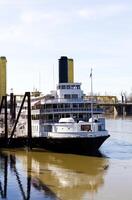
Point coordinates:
[[7, 140]]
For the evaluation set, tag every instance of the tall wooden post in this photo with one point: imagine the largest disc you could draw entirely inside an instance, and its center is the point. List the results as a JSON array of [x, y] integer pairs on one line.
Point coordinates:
[[14, 108], [11, 105], [6, 124], [29, 121]]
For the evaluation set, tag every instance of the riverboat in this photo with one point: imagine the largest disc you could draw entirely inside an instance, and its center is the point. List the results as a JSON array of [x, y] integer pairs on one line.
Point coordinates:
[[65, 120]]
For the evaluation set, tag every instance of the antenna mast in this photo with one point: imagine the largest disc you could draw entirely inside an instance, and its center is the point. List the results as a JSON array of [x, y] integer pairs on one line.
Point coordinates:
[[91, 76]]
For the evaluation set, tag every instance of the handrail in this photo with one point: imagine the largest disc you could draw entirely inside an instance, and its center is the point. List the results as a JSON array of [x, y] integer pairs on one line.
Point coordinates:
[[69, 110]]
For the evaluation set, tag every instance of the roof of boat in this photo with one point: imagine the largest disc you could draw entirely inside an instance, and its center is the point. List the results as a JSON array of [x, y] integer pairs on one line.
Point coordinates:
[[66, 120]]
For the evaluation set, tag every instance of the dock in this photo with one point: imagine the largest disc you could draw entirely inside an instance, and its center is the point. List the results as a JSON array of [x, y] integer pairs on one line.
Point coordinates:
[[8, 140]]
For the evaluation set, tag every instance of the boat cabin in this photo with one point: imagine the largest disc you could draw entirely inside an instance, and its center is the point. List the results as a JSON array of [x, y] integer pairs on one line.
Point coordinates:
[[69, 125]]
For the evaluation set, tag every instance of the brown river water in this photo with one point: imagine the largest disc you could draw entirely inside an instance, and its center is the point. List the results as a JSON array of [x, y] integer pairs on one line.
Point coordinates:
[[38, 175]]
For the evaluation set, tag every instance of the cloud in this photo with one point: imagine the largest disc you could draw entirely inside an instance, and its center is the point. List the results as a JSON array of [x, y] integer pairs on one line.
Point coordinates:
[[54, 17], [18, 2], [87, 13], [33, 36], [13, 34], [30, 27], [102, 11], [35, 17]]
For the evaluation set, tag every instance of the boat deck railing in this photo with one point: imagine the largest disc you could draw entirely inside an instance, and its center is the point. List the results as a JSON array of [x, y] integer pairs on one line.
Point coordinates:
[[61, 110], [63, 100]]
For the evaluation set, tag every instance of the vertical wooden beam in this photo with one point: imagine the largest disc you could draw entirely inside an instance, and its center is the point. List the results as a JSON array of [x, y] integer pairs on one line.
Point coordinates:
[[14, 108], [11, 105], [6, 124], [29, 121]]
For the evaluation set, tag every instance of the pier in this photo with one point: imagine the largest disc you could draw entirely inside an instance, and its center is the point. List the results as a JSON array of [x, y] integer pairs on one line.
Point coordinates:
[[6, 138]]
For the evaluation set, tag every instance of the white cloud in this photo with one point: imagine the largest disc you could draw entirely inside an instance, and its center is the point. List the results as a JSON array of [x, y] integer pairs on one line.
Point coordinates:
[[50, 18], [18, 2], [88, 13], [101, 11], [35, 16]]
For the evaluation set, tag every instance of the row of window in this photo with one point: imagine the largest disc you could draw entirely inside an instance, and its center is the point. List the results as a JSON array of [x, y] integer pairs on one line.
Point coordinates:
[[68, 105], [70, 96], [56, 117], [68, 87]]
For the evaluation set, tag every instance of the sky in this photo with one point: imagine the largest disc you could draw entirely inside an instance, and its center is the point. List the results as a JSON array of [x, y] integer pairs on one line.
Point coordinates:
[[97, 34]]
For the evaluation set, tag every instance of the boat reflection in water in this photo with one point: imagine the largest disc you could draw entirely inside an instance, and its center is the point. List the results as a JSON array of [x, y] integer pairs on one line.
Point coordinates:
[[42, 175]]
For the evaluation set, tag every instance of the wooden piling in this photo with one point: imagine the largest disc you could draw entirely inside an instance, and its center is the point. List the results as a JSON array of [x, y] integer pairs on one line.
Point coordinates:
[[29, 121], [6, 124]]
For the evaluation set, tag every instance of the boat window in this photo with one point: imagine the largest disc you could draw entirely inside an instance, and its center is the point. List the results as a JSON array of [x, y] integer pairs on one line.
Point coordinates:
[[75, 105], [54, 105], [67, 96], [67, 105], [99, 128], [86, 127], [81, 105], [74, 96], [78, 86], [72, 86], [63, 87], [68, 86]]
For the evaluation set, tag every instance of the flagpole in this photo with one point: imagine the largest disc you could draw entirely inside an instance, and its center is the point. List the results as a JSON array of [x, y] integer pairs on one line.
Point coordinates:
[[91, 76]]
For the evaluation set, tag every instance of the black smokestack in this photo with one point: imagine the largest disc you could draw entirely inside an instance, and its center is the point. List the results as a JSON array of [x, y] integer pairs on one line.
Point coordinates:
[[63, 69]]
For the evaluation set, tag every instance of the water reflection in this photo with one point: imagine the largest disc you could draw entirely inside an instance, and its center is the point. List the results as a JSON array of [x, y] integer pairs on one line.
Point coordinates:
[[3, 168], [43, 175]]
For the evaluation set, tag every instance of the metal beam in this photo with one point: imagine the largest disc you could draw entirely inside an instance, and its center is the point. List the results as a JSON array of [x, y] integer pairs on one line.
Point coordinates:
[[1, 104]]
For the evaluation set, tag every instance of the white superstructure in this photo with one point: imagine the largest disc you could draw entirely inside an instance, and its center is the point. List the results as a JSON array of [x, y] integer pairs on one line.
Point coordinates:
[[69, 91]]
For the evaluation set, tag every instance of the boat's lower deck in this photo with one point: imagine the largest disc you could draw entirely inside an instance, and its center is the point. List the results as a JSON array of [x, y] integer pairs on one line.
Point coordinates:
[[67, 145]]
